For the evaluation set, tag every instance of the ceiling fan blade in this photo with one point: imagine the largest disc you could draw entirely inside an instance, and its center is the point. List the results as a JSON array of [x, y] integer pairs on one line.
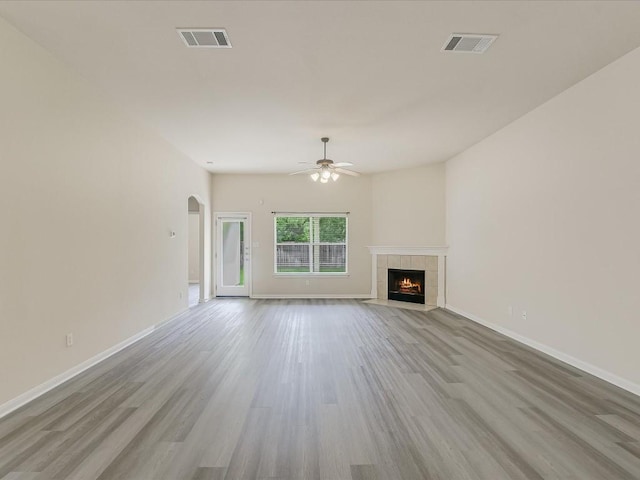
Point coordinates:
[[343, 164], [308, 170], [347, 172]]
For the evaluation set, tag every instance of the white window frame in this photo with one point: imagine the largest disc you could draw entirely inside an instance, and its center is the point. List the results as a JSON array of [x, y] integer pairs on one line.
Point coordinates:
[[311, 244]]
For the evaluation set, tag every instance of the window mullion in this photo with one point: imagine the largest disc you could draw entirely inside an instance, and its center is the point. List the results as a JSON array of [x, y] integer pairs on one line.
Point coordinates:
[[331, 252], [316, 244], [311, 233]]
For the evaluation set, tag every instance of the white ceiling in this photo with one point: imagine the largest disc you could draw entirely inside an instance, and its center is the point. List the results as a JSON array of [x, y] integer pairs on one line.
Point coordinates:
[[370, 75]]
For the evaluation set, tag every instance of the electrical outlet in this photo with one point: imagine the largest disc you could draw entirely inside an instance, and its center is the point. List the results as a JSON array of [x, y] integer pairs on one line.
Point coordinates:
[[524, 314], [69, 339], [306, 282]]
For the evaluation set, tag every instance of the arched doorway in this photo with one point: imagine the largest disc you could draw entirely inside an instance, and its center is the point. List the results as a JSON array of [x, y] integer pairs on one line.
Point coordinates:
[[195, 252]]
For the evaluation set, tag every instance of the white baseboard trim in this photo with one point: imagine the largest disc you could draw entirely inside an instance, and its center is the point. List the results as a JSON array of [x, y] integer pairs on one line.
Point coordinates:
[[311, 296], [8, 407], [170, 319], [582, 365]]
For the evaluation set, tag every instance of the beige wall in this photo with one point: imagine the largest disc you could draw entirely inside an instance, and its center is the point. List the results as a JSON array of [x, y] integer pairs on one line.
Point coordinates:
[[409, 207], [87, 200], [194, 247], [262, 194], [543, 216], [194, 206]]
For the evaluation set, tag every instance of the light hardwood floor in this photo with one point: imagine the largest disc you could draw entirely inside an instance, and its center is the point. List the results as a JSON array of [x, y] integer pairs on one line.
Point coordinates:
[[194, 294], [310, 389]]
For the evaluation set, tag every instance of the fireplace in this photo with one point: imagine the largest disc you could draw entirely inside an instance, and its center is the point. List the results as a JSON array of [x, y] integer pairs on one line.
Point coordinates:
[[406, 285], [431, 260]]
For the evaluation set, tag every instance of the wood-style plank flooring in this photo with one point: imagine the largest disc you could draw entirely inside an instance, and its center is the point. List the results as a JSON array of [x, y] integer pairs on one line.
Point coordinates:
[[312, 389]]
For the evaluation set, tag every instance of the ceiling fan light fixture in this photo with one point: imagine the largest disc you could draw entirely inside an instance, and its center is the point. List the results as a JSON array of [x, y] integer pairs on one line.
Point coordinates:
[[326, 168]]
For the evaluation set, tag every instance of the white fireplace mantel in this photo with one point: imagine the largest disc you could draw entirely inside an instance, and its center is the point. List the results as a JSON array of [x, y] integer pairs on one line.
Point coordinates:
[[435, 251]]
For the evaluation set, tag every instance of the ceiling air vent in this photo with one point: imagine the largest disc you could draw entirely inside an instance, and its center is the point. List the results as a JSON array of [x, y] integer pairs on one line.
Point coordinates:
[[204, 37], [468, 43]]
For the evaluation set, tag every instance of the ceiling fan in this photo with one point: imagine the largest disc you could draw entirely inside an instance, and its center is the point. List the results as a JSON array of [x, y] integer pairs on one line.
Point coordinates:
[[326, 169]]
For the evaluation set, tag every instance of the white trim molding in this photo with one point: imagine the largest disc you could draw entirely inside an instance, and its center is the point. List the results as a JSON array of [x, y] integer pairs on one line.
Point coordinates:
[[563, 357], [435, 251], [28, 396], [217, 253], [310, 296]]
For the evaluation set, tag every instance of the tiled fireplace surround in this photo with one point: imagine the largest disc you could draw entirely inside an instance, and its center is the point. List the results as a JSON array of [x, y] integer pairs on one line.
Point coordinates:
[[429, 259]]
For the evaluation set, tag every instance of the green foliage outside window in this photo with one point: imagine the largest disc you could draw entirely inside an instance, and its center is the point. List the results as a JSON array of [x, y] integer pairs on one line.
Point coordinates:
[[333, 229], [298, 229], [311, 244], [293, 229]]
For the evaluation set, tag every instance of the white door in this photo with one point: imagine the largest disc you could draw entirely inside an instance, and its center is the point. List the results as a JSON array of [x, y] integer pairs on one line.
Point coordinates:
[[233, 255]]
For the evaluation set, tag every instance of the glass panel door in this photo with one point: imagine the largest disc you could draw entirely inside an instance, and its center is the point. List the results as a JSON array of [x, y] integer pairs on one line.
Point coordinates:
[[233, 256]]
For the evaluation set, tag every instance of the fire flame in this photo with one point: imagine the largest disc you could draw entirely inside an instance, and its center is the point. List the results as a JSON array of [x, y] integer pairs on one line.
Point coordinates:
[[406, 285]]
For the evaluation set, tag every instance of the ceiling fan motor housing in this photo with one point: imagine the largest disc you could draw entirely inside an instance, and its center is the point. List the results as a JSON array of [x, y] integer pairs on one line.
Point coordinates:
[[326, 168]]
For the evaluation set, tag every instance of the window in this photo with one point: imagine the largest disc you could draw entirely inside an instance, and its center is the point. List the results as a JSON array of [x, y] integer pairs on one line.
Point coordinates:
[[311, 244]]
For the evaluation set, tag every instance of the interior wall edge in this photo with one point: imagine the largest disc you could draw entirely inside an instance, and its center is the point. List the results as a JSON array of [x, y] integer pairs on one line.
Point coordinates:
[[89, 197], [557, 354], [311, 296], [39, 390]]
